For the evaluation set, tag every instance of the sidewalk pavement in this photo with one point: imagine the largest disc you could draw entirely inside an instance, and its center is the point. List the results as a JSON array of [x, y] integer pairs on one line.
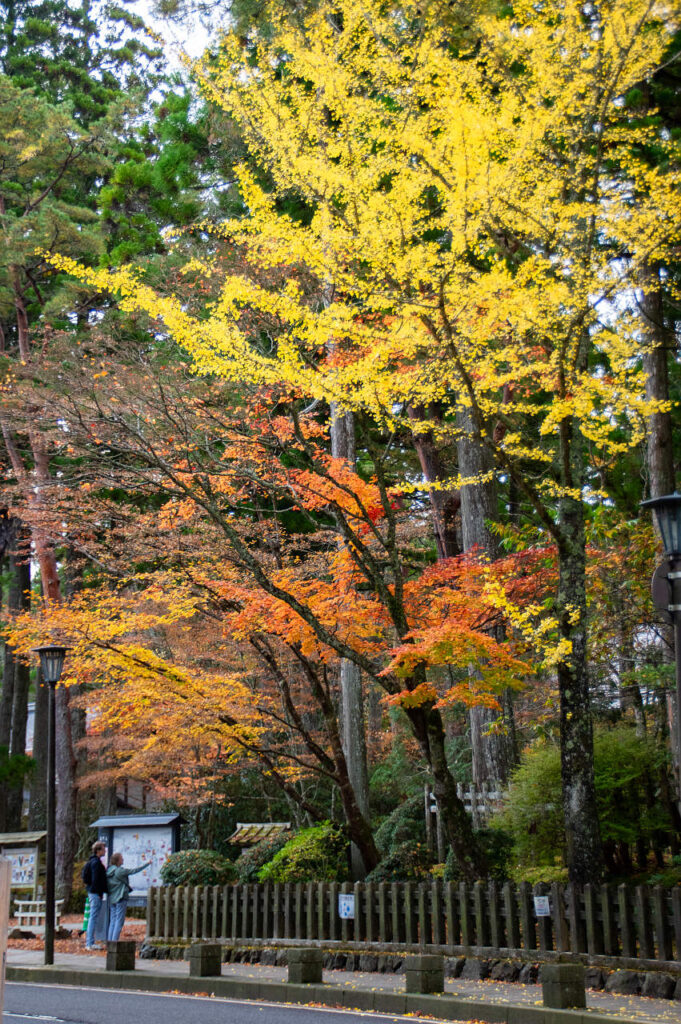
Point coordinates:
[[69, 968]]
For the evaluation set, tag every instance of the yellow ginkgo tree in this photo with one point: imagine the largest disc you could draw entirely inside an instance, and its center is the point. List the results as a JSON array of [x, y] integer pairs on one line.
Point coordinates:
[[477, 202]]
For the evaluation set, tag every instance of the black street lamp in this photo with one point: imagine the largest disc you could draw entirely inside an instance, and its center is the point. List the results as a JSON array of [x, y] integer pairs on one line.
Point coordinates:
[[51, 665], [667, 585]]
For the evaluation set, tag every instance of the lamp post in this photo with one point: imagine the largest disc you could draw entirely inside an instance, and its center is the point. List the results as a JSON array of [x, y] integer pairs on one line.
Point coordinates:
[[667, 586], [51, 664]]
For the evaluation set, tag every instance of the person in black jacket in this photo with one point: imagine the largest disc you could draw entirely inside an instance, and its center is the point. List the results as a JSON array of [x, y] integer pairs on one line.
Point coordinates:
[[94, 876]]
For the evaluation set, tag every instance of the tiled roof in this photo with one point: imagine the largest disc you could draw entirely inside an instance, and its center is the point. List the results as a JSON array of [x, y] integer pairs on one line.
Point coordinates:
[[248, 833]]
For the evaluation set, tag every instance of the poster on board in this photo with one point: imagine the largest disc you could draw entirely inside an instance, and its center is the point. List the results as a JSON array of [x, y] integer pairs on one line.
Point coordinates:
[[24, 863], [139, 846]]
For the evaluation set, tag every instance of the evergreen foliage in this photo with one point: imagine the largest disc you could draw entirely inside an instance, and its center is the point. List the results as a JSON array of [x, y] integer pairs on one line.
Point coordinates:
[[197, 867], [317, 854]]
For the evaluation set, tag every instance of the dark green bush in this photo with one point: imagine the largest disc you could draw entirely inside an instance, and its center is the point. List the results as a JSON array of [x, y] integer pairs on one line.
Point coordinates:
[[318, 854], [197, 867], [250, 862], [406, 862], [497, 847], [406, 824], [627, 770]]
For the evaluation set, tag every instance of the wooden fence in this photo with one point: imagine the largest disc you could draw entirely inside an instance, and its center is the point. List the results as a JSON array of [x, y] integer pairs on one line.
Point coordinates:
[[641, 923]]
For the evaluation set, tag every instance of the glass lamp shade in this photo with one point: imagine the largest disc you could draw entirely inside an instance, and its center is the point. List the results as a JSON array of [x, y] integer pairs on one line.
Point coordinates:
[[51, 661], [667, 509]]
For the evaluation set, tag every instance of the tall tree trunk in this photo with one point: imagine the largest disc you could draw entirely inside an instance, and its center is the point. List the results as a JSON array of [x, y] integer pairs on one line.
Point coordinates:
[[20, 600], [582, 831], [456, 823], [444, 501], [660, 341], [352, 696], [492, 748]]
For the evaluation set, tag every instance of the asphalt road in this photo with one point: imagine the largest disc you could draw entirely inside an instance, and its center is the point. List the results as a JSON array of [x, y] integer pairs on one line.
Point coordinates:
[[29, 1004]]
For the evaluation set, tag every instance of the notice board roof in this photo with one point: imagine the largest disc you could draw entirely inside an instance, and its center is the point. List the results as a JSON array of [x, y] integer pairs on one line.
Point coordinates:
[[132, 820], [20, 838]]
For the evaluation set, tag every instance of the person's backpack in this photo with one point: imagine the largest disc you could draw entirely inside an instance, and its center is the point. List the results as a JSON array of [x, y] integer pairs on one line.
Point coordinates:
[[86, 873]]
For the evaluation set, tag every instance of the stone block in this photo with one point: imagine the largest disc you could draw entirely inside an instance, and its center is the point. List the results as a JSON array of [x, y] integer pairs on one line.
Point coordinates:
[[305, 966], [529, 974], [658, 985], [594, 977], [563, 986], [627, 983], [474, 969], [424, 973], [120, 956], [505, 970], [205, 959]]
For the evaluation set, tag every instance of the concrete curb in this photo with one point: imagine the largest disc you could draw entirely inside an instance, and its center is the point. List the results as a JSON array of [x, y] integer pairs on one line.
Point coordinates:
[[444, 1006]]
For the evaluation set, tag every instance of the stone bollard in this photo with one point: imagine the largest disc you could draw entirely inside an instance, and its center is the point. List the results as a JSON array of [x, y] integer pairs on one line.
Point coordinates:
[[205, 959], [563, 986], [425, 973], [120, 956], [304, 966]]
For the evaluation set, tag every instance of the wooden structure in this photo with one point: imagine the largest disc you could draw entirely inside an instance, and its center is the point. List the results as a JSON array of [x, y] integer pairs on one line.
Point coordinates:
[[611, 925], [23, 851], [31, 914], [250, 833]]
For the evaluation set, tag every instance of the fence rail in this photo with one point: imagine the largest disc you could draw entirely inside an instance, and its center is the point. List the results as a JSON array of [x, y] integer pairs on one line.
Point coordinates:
[[616, 922]]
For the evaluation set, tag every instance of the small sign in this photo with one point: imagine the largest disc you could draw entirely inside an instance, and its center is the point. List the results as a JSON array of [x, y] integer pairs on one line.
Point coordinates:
[[541, 906], [346, 906]]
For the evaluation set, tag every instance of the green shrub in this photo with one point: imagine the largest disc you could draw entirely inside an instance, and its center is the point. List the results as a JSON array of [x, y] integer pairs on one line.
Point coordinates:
[[497, 847], [250, 862], [406, 824], [318, 854], [626, 766], [406, 862], [197, 867]]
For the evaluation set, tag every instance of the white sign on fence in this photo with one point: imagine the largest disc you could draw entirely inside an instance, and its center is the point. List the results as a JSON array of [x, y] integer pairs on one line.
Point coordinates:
[[346, 906], [541, 906]]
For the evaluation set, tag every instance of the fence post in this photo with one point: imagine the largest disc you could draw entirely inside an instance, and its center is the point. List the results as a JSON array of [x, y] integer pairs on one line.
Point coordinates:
[[151, 891], [574, 915], [451, 915], [186, 913], [436, 915], [159, 911], [333, 911], [676, 915], [527, 916], [298, 903], [358, 923], [481, 920], [543, 923], [560, 928], [626, 922], [465, 916], [662, 930], [424, 923], [288, 924], [345, 924], [594, 934], [196, 908], [267, 921], [177, 904], [610, 939], [496, 924], [383, 918], [323, 930], [369, 913], [409, 922], [225, 912], [643, 924], [511, 914], [396, 918], [276, 912]]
